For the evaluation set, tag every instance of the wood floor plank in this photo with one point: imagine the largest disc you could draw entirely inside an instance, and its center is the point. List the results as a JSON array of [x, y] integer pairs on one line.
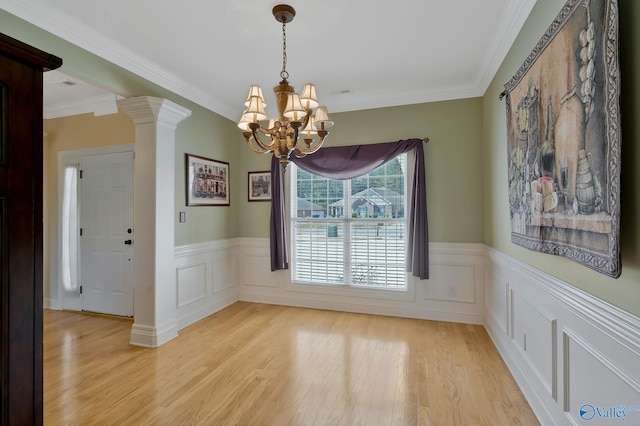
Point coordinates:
[[256, 364]]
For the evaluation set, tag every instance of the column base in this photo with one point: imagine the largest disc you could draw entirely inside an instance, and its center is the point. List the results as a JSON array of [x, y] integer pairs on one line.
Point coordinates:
[[152, 337]]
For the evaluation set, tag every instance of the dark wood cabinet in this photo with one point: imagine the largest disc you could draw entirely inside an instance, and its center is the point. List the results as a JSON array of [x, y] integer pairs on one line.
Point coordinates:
[[21, 69]]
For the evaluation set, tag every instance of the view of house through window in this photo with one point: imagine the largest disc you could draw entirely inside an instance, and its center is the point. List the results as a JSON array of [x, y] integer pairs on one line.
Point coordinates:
[[350, 232]]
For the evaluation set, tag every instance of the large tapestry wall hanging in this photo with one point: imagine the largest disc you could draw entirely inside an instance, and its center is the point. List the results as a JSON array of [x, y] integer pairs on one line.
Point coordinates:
[[563, 131]]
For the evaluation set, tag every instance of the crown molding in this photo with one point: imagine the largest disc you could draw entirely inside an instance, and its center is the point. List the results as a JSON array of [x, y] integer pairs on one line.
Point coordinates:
[[353, 102], [509, 25], [48, 18]]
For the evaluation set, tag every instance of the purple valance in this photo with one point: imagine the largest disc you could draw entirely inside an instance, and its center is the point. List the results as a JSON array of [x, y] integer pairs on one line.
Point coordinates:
[[347, 162]]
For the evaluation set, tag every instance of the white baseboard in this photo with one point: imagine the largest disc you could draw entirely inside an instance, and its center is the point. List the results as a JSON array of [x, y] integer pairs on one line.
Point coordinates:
[[53, 304], [152, 337], [364, 308]]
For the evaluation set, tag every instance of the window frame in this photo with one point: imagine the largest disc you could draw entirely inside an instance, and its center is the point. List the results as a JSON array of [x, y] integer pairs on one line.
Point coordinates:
[[406, 292], [74, 250]]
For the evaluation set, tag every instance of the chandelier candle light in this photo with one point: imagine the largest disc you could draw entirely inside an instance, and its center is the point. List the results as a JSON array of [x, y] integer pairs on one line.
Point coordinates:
[[297, 118]]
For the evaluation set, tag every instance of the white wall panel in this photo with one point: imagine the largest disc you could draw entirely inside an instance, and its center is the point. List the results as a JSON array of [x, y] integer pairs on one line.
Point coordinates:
[[192, 284], [206, 280], [224, 273], [257, 272], [451, 282], [496, 296], [534, 334]]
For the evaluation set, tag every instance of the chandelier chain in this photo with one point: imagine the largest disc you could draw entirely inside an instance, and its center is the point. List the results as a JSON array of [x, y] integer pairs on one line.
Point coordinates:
[[284, 74]]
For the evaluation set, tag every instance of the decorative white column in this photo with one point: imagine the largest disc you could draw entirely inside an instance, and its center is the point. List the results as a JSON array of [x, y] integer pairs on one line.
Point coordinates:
[[154, 300]]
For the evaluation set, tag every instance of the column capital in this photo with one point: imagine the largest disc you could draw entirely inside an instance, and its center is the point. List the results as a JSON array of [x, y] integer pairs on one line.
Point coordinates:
[[148, 109]]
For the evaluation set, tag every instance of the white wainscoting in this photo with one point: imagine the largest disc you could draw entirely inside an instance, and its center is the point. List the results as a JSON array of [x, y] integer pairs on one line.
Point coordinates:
[[570, 352], [205, 280], [454, 292]]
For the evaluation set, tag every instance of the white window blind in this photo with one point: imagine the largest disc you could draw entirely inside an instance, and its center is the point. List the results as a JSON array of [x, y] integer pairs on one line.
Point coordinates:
[[352, 232]]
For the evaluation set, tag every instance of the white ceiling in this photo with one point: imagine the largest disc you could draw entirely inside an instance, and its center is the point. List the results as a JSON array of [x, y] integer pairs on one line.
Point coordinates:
[[360, 54], [65, 95]]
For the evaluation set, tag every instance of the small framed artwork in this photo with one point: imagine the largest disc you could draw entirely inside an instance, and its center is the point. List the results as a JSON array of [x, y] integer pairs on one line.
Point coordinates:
[[207, 181], [260, 186]]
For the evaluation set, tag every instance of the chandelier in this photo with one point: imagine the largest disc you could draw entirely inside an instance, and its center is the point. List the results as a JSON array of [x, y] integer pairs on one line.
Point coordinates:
[[301, 126]]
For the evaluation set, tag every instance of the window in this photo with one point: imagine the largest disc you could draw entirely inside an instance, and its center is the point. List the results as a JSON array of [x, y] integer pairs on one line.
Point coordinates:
[[350, 232], [69, 230]]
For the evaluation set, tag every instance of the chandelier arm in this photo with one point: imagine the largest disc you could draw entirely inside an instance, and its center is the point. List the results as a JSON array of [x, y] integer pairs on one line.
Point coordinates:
[[298, 154], [312, 148], [255, 149], [261, 144], [307, 117], [296, 134], [266, 131]]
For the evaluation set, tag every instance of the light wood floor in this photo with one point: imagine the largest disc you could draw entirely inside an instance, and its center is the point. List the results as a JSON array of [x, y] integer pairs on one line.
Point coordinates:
[[254, 364]]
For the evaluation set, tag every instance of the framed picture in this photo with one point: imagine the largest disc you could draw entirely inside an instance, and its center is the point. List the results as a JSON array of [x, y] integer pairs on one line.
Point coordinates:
[[207, 181], [259, 186]]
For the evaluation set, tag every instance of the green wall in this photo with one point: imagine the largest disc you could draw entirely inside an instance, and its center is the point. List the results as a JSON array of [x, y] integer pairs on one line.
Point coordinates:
[[209, 135], [465, 160], [204, 133], [453, 157], [453, 160], [625, 291]]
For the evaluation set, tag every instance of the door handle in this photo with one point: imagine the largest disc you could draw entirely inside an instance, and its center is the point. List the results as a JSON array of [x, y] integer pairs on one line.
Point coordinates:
[[128, 242]]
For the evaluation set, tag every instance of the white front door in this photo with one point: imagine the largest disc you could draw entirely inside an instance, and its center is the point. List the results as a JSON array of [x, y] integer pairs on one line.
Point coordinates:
[[106, 212]]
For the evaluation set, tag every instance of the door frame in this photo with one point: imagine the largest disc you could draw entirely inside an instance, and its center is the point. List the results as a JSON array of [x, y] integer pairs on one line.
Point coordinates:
[[61, 301]]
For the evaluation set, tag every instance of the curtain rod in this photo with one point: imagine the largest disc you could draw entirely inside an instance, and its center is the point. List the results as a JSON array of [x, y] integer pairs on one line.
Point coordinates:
[[425, 140]]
